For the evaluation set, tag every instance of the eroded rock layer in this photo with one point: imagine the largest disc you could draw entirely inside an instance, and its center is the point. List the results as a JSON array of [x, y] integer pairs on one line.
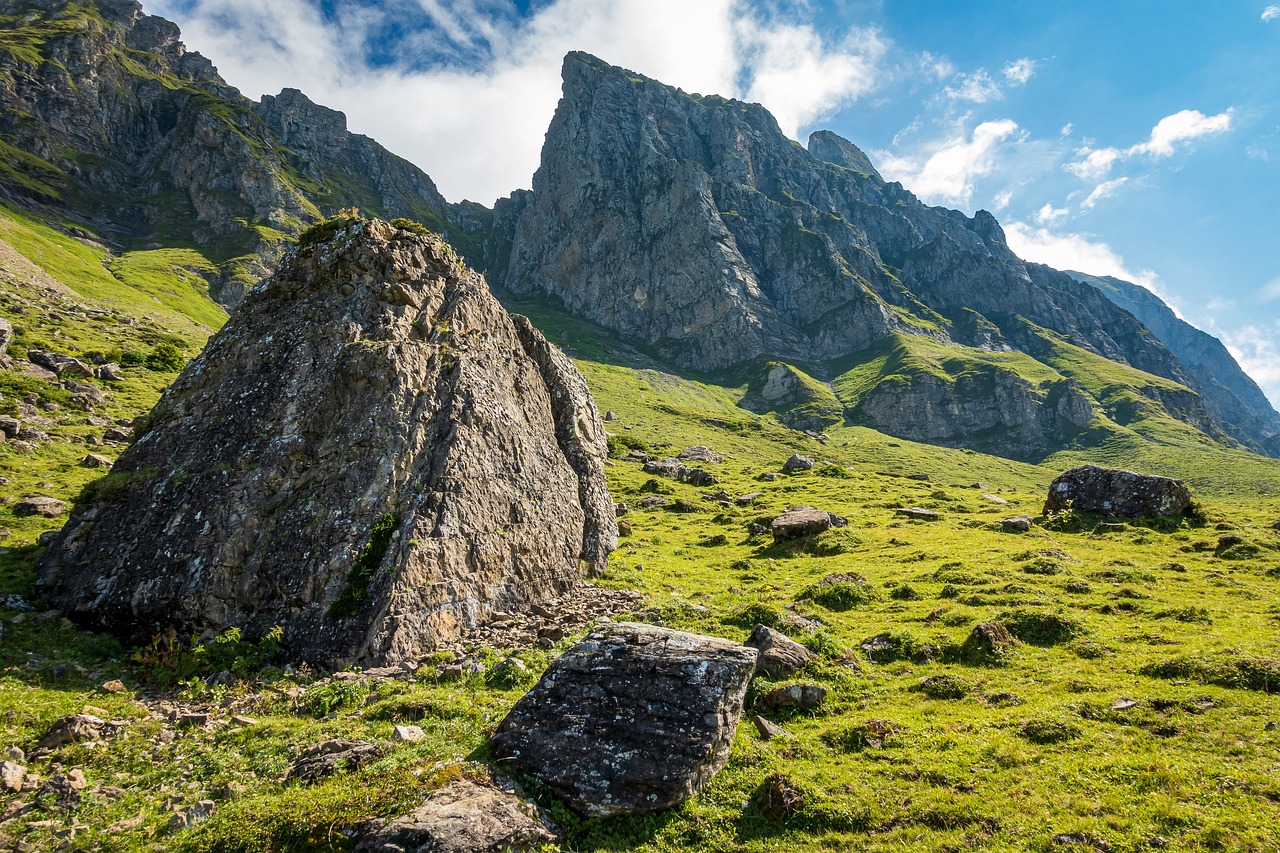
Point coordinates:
[[371, 454]]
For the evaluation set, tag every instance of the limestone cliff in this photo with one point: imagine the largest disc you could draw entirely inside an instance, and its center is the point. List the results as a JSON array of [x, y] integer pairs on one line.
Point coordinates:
[[371, 454]]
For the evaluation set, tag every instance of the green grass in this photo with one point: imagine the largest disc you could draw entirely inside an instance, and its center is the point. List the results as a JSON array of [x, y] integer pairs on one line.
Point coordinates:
[[925, 747]]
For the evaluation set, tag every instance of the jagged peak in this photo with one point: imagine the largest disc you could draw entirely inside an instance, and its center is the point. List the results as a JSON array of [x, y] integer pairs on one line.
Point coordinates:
[[832, 148]]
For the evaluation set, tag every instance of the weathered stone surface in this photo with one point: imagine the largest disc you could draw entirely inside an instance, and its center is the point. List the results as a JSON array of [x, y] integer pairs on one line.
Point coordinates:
[[12, 775], [119, 433], [769, 730], [404, 460], [633, 718], [918, 513], [1016, 524], [1114, 492], [407, 734], [466, 817], [797, 463], [95, 460], [671, 468], [780, 656], [331, 756], [77, 728], [700, 453], [42, 506], [803, 697], [804, 521], [65, 366], [10, 426]]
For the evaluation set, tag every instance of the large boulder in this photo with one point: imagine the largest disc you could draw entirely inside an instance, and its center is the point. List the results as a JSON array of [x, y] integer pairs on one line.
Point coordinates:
[[634, 718], [801, 521], [1114, 492], [371, 454]]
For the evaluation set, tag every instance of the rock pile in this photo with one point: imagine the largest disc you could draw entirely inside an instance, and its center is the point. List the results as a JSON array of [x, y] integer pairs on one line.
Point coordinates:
[[371, 454]]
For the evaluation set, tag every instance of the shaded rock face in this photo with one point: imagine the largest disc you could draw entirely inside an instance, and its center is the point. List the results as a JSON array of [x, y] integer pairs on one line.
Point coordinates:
[[371, 454], [632, 719], [1114, 492]]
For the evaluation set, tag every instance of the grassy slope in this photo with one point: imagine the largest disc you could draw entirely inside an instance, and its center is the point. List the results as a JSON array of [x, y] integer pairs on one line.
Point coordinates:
[[1191, 763]]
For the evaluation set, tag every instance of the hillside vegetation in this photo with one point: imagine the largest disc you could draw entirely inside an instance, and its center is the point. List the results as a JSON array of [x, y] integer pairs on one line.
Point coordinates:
[[1135, 711]]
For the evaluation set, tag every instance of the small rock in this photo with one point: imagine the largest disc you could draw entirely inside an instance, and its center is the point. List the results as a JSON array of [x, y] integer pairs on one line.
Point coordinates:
[[14, 753], [996, 499], [797, 463], [768, 477], [12, 775], [748, 499], [328, 757], [804, 697], [777, 798], [76, 779], [77, 728], [620, 509], [190, 719], [624, 527], [124, 434], [1271, 726], [192, 815], [1016, 524], [113, 686], [241, 720], [1229, 541], [110, 371], [802, 521], [408, 734], [41, 506], [95, 460], [756, 529], [700, 453], [768, 730], [923, 478], [780, 656], [918, 513], [652, 501], [1123, 704]]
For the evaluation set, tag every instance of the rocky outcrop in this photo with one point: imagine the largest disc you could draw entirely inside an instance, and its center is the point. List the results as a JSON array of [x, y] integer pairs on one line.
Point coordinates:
[[1231, 397], [632, 719], [802, 521], [371, 454], [1121, 493], [780, 656], [128, 132]]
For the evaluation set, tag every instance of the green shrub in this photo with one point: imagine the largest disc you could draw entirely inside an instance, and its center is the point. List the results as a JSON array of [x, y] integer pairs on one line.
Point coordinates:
[[944, 686], [325, 229], [166, 357], [1039, 628], [410, 226], [841, 592]]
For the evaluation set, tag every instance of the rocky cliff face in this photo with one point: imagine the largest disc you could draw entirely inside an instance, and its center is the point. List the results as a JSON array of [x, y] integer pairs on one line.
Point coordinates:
[[1229, 394], [120, 127], [371, 454]]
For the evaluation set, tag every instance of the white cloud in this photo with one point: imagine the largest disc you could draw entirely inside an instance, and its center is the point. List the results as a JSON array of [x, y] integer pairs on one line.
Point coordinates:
[[1270, 13], [1020, 71], [1103, 190], [1049, 214], [1073, 251], [1257, 349], [1168, 134], [947, 174], [1270, 291], [1067, 129], [978, 88], [1001, 201], [472, 105]]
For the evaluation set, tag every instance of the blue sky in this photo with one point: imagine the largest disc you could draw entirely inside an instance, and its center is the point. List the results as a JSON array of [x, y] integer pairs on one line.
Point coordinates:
[[1137, 139]]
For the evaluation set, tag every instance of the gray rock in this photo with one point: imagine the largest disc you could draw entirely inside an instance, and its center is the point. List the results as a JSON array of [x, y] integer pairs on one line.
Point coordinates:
[[62, 365], [458, 459], [671, 468], [6, 337], [95, 460], [465, 817], [1016, 524], [700, 453], [332, 756], [768, 477], [12, 775], [769, 730], [698, 477], [41, 506], [77, 728], [917, 513], [797, 463], [119, 433], [1114, 492], [780, 656], [634, 718], [802, 697], [407, 734], [748, 499], [10, 426], [803, 521], [109, 371]]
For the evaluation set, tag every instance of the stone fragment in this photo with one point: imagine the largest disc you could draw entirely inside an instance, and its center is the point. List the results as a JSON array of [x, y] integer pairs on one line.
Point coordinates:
[[10, 426], [466, 817], [1016, 524], [77, 728], [109, 371], [652, 501], [191, 815], [1111, 491], [115, 685], [95, 460], [797, 463], [996, 499], [119, 433], [12, 775], [331, 756], [748, 499], [803, 697], [803, 521], [780, 656], [634, 718], [768, 477], [610, 415], [768, 730], [777, 797], [458, 456], [408, 734], [918, 513], [700, 453], [61, 365], [922, 478], [671, 468]]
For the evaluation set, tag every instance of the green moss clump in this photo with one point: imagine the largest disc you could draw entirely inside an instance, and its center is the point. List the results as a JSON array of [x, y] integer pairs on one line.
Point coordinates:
[[411, 226], [361, 576], [325, 229]]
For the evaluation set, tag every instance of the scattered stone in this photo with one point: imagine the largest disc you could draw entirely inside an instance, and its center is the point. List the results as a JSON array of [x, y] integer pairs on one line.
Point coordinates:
[[611, 415], [465, 817], [12, 775], [77, 728], [95, 460], [996, 499], [109, 371], [652, 501], [1114, 492], [922, 478], [777, 798], [756, 529], [797, 463], [700, 478], [76, 779], [1016, 524], [624, 527], [768, 477], [1123, 704], [700, 453], [113, 686], [671, 468], [328, 757], [634, 718], [10, 426], [13, 601], [804, 521], [988, 642], [191, 815], [59, 364], [86, 395], [241, 720], [780, 656], [768, 730], [41, 506], [126, 825], [620, 509], [918, 513], [32, 435], [15, 753], [748, 499], [122, 434], [192, 719], [1271, 726], [804, 697], [408, 734]]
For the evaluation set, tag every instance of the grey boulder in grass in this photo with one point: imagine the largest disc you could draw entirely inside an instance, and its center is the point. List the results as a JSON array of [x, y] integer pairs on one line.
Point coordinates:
[[634, 718], [1110, 491]]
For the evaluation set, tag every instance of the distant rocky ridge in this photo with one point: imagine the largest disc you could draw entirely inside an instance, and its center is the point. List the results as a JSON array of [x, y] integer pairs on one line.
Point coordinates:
[[688, 224], [370, 454]]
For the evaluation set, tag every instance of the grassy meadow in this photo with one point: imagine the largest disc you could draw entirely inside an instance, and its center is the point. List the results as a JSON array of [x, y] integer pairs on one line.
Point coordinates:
[[1132, 714]]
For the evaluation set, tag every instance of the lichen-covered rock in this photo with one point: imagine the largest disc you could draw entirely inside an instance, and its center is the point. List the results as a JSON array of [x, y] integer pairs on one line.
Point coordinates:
[[634, 718], [465, 817], [804, 521], [780, 656], [1111, 491], [370, 454]]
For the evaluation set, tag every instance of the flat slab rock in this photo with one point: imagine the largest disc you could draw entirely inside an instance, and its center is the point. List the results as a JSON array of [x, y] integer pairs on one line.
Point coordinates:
[[1127, 494], [804, 521], [634, 718], [466, 817]]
